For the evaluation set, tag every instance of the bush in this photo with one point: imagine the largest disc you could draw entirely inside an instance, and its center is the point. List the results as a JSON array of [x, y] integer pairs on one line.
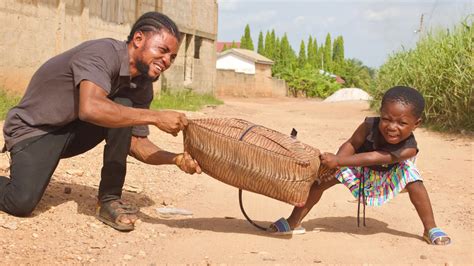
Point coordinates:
[[441, 67], [7, 101], [310, 82]]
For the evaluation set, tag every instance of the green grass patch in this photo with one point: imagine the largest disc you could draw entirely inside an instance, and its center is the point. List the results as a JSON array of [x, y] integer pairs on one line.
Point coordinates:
[[7, 101], [441, 67], [183, 100]]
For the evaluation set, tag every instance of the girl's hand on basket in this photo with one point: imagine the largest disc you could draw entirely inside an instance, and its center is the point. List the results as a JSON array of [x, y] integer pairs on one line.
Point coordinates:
[[187, 164], [329, 160], [171, 122]]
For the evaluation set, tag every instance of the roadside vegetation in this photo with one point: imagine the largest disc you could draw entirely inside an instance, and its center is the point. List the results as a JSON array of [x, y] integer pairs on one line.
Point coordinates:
[[441, 67], [183, 100], [7, 101], [312, 71]]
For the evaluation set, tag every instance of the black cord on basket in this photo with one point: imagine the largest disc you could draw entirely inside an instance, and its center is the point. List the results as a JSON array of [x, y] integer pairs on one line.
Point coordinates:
[[293, 135], [361, 191], [245, 214]]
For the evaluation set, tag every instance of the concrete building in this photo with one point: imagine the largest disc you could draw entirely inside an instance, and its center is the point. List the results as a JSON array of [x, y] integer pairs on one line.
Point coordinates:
[[35, 30], [241, 72]]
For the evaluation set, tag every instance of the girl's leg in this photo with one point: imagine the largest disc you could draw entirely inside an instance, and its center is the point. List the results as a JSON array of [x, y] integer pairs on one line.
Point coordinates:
[[420, 199], [314, 196]]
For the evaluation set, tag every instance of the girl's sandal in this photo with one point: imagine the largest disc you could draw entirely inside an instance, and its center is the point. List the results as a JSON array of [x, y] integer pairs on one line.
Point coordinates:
[[436, 236], [281, 227], [111, 212]]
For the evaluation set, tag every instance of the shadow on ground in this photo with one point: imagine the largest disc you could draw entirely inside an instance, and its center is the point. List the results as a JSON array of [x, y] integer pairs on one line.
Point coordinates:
[[85, 196], [86, 199]]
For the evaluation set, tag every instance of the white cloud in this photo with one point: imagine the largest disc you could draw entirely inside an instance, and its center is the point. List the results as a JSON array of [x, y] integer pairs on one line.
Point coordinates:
[[299, 20], [262, 16], [380, 15], [227, 5]]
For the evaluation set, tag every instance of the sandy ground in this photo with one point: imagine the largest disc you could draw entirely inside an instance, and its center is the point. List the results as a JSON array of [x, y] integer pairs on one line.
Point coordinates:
[[63, 230]]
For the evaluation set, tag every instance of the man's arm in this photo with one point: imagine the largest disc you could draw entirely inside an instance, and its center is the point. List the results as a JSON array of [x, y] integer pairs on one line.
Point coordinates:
[[96, 108], [145, 151]]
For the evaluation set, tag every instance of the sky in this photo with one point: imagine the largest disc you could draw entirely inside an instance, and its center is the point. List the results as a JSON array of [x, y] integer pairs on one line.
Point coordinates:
[[372, 29]]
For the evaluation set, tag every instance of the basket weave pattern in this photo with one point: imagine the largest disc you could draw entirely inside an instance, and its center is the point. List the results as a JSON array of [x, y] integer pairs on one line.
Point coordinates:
[[253, 158]]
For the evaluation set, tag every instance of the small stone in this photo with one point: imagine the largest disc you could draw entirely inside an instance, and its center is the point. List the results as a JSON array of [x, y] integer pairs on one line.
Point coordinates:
[[132, 188], [141, 253], [10, 225], [35, 235], [67, 190], [127, 257], [423, 257], [93, 225]]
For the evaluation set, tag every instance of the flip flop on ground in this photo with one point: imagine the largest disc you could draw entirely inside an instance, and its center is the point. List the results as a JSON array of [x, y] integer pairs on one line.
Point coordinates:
[[436, 236], [281, 227], [112, 212]]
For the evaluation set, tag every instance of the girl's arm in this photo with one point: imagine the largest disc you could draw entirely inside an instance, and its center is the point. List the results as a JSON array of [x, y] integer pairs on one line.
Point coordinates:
[[374, 158], [348, 148], [357, 139], [346, 155]]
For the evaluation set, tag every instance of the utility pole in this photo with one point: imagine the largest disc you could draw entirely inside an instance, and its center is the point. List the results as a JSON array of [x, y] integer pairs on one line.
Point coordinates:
[[420, 28]]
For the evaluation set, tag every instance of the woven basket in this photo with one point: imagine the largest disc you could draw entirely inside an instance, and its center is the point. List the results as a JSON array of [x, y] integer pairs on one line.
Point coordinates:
[[253, 158]]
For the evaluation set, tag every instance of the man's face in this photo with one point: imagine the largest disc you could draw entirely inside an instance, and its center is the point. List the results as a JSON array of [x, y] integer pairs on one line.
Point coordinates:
[[156, 54]]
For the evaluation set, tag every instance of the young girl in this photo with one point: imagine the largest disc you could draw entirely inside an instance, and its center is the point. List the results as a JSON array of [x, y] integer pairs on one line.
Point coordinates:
[[377, 163]]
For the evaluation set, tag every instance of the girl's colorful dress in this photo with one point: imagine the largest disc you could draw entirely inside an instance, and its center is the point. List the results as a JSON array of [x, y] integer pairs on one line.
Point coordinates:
[[380, 183]]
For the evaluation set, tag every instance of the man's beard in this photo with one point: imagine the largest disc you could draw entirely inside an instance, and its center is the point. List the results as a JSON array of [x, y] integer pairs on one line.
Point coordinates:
[[144, 69]]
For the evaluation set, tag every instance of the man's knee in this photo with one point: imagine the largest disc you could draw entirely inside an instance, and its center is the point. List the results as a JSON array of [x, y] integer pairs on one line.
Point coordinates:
[[20, 205]]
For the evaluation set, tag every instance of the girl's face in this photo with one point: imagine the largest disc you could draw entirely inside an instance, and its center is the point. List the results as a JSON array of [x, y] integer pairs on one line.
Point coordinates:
[[397, 121]]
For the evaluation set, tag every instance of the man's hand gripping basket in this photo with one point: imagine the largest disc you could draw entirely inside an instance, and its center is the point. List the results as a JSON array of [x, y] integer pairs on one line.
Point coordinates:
[[253, 158]]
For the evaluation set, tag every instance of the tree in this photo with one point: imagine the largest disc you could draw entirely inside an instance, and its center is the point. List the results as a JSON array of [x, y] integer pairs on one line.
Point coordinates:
[[317, 54], [277, 54], [233, 45], [269, 48], [273, 40], [302, 55], [356, 74], [285, 58], [327, 53], [260, 47], [338, 54], [246, 40], [310, 51]]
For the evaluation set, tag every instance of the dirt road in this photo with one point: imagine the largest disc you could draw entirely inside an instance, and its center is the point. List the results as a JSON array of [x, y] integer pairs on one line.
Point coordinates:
[[63, 229]]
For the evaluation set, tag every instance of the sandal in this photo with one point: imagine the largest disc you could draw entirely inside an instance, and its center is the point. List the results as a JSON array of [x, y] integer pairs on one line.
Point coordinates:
[[110, 213], [436, 234], [281, 227]]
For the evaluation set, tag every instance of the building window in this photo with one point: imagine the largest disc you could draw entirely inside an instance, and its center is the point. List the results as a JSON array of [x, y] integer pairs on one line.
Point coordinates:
[[197, 46]]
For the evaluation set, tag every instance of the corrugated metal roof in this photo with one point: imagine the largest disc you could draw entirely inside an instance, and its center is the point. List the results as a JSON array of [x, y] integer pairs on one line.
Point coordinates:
[[248, 54]]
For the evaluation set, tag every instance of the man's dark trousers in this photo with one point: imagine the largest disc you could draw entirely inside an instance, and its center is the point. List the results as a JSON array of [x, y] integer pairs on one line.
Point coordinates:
[[34, 160]]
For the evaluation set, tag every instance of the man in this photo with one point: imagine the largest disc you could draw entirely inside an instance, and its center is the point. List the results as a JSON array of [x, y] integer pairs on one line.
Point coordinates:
[[99, 90]]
